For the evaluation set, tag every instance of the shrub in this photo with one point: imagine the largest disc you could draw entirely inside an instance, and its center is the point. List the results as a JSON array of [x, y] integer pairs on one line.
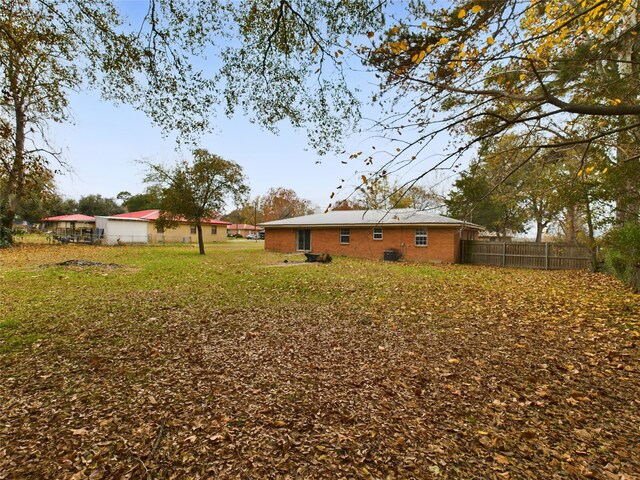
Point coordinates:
[[6, 237], [623, 253]]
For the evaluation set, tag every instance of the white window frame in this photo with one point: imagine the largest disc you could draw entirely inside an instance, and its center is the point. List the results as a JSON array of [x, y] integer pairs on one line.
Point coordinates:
[[214, 230], [377, 233], [420, 235], [193, 229], [345, 233]]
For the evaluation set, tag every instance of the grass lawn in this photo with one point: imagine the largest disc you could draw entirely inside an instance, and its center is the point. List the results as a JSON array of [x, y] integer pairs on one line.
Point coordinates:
[[237, 365]]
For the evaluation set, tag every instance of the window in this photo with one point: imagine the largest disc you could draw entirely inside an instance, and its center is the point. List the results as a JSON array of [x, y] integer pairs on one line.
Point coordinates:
[[159, 229], [377, 234], [421, 237], [304, 240], [345, 233], [193, 229], [214, 230]]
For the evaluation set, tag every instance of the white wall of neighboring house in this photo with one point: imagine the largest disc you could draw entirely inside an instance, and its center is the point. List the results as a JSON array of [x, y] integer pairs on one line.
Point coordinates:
[[123, 230]]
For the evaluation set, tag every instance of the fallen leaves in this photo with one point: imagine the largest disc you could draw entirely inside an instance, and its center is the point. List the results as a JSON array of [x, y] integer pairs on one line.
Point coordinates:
[[276, 372]]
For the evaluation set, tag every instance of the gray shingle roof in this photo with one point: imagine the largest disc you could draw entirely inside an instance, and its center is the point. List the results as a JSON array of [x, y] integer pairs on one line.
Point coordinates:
[[368, 217]]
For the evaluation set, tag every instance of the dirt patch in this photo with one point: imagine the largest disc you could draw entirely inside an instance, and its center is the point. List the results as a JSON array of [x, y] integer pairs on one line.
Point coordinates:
[[85, 263]]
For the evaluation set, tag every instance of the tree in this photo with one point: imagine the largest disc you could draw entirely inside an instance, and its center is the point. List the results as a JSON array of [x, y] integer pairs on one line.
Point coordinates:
[[279, 203], [47, 51], [377, 192], [560, 74], [197, 191], [149, 200], [475, 199], [30, 53], [346, 204], [98, 205], [246, 212]]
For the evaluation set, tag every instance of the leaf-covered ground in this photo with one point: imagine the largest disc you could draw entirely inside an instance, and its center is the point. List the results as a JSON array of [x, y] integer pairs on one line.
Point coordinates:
[[236, 365]]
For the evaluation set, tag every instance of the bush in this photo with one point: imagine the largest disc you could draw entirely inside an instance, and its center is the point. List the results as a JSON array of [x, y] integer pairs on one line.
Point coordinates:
[[623, 253], [6, 237]]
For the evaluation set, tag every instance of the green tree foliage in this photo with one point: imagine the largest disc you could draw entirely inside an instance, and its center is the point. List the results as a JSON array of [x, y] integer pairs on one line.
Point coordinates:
[[623, 253], [149, 200], [196, 191], [98, 205], [476, 200]]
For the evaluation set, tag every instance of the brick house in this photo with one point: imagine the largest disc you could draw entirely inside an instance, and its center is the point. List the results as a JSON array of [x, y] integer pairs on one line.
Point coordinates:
[[243, 229], [413, 235]]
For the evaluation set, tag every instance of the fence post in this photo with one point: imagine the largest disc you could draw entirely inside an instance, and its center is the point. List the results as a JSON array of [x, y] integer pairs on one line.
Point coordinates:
[[504, 253], [546, 256]]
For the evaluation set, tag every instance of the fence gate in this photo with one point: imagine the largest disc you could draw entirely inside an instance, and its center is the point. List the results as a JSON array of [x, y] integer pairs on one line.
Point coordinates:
[[548, 256]]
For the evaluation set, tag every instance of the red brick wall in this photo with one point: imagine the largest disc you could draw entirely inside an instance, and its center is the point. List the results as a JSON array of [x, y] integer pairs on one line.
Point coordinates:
[[443, 243]]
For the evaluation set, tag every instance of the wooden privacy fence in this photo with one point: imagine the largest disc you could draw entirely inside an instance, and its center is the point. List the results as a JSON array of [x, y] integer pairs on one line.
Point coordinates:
[[548, 256]]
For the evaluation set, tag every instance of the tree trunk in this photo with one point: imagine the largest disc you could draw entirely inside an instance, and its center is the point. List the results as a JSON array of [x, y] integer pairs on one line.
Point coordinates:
[[14, 188], [539, 229], [200, 239], [571, 228]]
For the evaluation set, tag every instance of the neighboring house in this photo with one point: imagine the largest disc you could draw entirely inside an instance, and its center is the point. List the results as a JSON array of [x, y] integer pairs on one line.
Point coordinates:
[[185, 232], [243, 229], [75, 227], [414, 235]]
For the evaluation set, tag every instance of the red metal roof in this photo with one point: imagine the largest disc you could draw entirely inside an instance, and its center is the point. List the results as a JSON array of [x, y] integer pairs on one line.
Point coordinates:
[[155, 214], [76, 217], [142, 214]]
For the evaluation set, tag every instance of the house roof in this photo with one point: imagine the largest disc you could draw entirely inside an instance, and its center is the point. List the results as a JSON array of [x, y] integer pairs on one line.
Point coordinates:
[[76, 217], [394, 217], [152, 215]]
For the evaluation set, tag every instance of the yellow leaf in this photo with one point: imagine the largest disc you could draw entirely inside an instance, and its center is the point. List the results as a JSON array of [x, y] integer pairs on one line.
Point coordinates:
[[579, 172], [370, 34], [616, 101], [462, 13], [490, 41], [443, 41], [418, 57], [315, 49], [424, 25], [590, 169], [476, 8], [482, 432], [394, 30], [432, 76], [523, 76], [605, 170]]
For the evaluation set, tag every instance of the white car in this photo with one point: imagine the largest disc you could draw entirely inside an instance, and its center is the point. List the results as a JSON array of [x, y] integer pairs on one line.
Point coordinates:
[[252, 236]]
